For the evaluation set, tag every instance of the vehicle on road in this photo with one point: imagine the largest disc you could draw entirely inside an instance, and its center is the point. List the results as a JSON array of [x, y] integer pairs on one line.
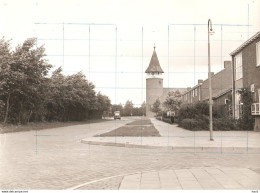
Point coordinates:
[[117, 115]]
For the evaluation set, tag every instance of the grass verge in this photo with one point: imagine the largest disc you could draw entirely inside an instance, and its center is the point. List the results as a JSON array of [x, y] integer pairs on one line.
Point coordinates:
[[132, 131], [10, 128], [141, 122]]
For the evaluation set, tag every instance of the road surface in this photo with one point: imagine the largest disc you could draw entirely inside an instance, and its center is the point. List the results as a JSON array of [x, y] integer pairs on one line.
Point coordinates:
[[55, 158]]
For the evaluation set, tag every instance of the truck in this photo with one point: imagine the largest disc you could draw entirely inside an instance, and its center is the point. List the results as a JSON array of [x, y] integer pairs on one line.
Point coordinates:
[[117, 115]]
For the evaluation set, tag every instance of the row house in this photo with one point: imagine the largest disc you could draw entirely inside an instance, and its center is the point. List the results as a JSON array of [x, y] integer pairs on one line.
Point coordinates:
[[246, 74], [221, 90]]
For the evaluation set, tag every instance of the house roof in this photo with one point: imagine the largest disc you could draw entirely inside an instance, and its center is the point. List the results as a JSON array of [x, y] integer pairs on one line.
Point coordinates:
[[221, 94], [154, 65], [245, 44], [185, 92]]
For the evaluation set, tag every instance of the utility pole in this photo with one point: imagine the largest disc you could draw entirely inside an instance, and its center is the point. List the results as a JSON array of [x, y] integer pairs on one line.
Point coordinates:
[[210, 32]]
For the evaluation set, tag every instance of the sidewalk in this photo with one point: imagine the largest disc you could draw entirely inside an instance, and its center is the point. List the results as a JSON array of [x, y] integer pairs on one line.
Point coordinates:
[[208, 178], [194, 178], [174, 137]]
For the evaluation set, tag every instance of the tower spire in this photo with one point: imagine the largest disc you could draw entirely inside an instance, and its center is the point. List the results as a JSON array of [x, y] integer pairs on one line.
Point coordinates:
[[154, 65]]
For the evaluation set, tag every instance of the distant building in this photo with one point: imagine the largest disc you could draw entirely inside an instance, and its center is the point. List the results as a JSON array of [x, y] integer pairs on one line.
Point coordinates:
[[246, 74], [154, 85], [221, 90]]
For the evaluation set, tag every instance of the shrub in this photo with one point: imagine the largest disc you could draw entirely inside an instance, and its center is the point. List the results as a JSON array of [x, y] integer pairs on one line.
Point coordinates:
[[219, 124], [223, 124], [244, 124], [190, 124], [195, 117], [194, 111]]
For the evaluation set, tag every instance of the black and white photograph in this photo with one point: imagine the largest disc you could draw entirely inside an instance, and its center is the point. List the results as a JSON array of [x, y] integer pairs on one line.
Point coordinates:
[[133, 95]]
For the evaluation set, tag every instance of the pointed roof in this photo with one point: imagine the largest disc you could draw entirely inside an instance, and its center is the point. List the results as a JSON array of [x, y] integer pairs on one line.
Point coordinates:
[[154, 65]]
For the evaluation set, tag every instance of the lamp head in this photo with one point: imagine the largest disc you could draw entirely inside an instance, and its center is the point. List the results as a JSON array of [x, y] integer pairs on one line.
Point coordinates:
[[211, 32]]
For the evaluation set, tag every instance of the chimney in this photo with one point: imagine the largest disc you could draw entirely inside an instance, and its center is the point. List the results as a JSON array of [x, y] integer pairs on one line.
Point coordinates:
[[227, 64], [188, 88], [200, 81]]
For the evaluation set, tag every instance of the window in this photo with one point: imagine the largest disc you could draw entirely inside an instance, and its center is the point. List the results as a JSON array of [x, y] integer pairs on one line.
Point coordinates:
[[196, 92], [193, 93], [258, 54], [238, 105], [238, 66], [252, 88]]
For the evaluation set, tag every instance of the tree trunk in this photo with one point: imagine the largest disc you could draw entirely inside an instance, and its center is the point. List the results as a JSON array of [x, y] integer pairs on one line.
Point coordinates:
[[7, 108], [19, 115], [28, 119]]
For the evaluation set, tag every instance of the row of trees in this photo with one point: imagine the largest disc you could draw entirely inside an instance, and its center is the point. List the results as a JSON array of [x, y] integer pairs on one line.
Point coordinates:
[[129, 110], [27, 93]]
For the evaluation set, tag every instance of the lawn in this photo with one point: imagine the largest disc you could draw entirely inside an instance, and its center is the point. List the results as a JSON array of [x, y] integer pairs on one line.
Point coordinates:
[[138, 128], [141, 122]]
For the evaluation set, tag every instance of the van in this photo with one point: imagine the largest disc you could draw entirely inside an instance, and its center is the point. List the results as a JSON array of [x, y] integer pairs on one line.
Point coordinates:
[[117, 115]]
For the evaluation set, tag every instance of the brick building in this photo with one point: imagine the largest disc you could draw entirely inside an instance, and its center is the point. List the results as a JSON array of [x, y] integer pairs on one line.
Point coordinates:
[[246, 74], [221, 90]]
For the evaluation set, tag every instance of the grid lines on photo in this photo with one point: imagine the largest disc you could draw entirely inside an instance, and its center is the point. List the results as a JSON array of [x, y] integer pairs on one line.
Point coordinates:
[[115, 59]]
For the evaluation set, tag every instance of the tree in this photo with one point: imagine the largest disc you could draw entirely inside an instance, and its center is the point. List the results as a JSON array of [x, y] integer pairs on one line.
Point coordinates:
[[116, 108], [156, 108], [103, 104], [5, 62], [72, 98], [143, 109], [27, 94], [22, 76], [128, 108], [173, 101]]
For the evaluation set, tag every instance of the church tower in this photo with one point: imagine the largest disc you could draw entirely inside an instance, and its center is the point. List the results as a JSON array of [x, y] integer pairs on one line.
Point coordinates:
[[154, 83]]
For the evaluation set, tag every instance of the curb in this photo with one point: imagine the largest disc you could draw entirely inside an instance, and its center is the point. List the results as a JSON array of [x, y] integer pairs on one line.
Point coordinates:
[[127, 145]]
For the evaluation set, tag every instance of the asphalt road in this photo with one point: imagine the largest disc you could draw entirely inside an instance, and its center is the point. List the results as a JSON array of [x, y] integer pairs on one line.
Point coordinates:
[[55, 158]]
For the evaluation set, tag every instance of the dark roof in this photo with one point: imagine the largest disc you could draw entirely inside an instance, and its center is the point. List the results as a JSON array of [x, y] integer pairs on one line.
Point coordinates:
[[245, 43], [154, 65], [221, 94]]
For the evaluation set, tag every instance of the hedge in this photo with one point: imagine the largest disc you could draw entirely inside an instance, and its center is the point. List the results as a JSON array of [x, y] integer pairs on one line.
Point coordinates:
[[220, 124], [195, 117]]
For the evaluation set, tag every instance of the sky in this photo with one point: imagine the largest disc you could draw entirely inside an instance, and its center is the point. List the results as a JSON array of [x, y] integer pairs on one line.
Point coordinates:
[[111, 41]]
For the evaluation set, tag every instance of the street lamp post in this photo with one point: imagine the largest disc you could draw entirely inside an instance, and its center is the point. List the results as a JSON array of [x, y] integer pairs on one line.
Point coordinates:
[[210, 31]]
